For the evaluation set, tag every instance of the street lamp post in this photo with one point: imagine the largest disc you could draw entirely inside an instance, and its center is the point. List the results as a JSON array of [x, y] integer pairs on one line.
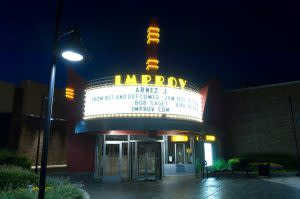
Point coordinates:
[[294, 133], [39, 134], [73, 53]]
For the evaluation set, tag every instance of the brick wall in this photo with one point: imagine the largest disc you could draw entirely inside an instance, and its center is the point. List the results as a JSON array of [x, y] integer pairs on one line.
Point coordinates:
[[24, 106], [28, 138], [258, 119], [7, 92]]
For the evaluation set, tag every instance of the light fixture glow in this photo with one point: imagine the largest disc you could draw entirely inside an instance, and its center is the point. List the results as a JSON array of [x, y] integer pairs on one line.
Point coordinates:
[[151, 67], [149, 41], [152, 35], [72, 56], [179, 138], [150, 60], [69, 93], [210, 138], [208, 154], [153, 29]]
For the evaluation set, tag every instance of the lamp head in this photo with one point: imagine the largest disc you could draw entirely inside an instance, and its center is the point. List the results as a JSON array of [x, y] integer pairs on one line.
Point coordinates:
[[72, 55], [73, 49]]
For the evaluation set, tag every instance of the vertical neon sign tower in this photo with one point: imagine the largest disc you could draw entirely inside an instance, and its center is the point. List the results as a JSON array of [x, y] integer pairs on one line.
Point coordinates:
[[152, 44]]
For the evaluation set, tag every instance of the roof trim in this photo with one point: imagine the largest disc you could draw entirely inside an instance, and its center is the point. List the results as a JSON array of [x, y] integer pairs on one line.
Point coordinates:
[[263, 86]]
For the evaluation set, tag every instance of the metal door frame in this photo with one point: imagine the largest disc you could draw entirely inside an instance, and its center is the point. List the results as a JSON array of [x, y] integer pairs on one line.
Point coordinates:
[[137, 177], [119, 176]]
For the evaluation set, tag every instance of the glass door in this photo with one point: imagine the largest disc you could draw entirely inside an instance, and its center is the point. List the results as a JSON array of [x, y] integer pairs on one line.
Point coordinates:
[[112, 162], [179, 153], [141, 157], [124, 161], [149, 160]]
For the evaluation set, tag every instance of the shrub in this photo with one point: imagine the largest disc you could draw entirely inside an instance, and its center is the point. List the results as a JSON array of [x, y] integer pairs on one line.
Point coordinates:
[[234, 164], [239, 164], [285, 161], [15, 177], [63, 190], [245, 164], [17, 194], [197, 166], [12, 158], [249, 162], [220, 164]]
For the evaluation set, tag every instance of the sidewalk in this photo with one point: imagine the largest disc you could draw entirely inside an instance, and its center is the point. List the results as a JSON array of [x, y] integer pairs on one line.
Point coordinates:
[[289, 181], [189, 187]]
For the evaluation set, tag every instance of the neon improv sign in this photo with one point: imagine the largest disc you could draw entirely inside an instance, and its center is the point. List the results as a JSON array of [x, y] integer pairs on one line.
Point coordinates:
[[147, 80]]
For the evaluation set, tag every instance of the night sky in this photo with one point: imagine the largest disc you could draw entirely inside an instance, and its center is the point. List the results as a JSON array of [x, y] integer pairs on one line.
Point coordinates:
[[241, 43]]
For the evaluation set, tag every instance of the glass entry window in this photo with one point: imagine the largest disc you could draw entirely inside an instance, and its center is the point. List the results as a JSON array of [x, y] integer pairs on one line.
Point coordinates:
[[179, 153], [180, 149], [124, 162], [112, 162]]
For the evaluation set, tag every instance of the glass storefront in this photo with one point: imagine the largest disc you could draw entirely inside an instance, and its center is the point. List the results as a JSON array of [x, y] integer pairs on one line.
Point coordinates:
[[127, 157], [180, 151], [143, 157]]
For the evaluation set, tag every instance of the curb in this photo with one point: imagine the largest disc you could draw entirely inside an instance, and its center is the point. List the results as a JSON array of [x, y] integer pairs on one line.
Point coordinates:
[[85, 194]]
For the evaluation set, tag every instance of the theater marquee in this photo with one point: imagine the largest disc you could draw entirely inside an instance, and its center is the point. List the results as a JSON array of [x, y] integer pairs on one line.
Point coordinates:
[[142, 101]]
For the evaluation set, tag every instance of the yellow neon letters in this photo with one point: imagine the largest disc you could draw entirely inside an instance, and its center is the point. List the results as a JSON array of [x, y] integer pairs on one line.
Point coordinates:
[[172, 82], [182, 83], [131, 80], [145, 80], [159, 80], [118, 80]]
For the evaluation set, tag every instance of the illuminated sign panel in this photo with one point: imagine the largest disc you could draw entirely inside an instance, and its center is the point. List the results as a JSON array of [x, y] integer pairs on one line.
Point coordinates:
[[210, 138], [69, 93], [153, 35], [142, 101], [157, 80], [179, 138]]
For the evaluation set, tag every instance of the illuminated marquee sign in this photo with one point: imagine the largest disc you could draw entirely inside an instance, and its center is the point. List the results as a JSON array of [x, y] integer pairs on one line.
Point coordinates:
[[146, 80], [160, 99]]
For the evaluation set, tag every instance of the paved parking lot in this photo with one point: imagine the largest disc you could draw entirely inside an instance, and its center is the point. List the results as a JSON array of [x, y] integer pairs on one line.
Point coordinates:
[[191, 187]]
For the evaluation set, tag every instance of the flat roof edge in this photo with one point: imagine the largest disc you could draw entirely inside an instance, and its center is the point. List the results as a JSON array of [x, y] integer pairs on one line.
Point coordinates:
[[263, 86]]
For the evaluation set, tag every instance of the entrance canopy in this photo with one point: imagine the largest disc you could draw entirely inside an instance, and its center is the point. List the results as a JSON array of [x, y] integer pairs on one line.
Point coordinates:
[[104, 124]]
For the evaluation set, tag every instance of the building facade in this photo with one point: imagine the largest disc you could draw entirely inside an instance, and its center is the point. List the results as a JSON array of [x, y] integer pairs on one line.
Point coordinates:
[[145, 127], [254, 120], [20, 111], [133, 147], [258, 119]]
